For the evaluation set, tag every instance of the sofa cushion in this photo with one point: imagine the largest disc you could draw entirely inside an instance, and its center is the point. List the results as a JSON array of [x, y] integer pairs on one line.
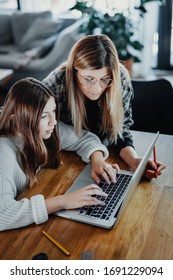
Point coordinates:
[[6, 34], [22, 21], [39, 31], [67, 21]]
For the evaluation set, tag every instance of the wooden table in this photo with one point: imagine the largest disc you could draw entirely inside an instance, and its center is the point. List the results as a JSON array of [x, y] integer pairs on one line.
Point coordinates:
[[145, 231]]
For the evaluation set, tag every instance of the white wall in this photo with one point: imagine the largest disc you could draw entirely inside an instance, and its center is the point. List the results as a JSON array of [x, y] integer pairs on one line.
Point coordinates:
[[34, 5], [148, 27], [59, 6]]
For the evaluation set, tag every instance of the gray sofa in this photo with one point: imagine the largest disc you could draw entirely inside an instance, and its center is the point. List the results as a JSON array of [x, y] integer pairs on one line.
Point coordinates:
[[33, 44]]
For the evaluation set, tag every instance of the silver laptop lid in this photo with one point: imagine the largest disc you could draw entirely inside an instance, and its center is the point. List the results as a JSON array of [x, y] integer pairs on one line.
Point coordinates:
[[137, 176]]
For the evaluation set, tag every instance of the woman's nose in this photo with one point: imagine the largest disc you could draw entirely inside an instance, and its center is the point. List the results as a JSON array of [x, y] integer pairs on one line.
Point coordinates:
[[97, 85]]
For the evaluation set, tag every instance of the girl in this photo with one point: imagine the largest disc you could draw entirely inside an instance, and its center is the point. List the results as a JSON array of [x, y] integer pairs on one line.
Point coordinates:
[[28, 142]]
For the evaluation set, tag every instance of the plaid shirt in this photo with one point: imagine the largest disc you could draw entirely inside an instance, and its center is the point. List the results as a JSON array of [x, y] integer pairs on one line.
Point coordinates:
[[56, 83]]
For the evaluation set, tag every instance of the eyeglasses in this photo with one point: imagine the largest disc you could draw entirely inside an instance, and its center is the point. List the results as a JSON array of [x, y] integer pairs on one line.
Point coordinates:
[[90, 82]]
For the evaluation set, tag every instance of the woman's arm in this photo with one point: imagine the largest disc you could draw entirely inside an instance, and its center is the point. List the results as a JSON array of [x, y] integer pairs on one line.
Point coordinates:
[[129, 155], [89, 147], [85, 144], [125, 146]]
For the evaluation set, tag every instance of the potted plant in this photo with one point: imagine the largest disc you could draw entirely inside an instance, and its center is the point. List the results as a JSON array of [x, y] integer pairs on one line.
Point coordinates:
[[119, 26]]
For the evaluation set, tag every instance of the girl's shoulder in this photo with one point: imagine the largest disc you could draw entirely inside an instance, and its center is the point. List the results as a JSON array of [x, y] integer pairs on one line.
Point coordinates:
[[7, 144], [8, 151]]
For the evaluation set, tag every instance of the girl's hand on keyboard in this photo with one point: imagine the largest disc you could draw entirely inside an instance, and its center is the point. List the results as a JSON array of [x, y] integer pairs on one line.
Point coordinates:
[[83, 197]]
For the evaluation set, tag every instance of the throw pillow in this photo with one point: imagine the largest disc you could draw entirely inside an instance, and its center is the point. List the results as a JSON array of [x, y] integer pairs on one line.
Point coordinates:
[[47, 45], [6, 35], [22, 21], [39, 31], [35, 53]]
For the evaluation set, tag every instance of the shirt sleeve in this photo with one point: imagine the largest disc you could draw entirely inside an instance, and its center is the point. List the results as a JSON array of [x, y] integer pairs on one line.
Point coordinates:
[[14, 212], [84, 145], [20, 213]]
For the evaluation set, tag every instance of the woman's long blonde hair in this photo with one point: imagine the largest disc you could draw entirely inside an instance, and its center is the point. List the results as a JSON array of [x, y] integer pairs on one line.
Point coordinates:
[[95, 52]]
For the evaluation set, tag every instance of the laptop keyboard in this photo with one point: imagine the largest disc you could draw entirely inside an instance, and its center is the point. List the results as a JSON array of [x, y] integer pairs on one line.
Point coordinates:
[[115, 196]]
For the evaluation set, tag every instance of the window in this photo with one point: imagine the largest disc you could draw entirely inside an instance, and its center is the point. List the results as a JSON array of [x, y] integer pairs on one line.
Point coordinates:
[[9, 4], [165, 37], [58, 7]]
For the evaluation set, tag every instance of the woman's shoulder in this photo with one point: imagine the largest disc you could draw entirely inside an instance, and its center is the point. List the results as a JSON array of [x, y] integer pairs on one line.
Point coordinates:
[[60, 72], [126, 84], [56, 77], [124, 73]]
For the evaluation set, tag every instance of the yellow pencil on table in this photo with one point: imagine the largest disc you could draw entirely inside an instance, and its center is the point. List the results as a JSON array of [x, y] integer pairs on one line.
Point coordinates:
[[56, 243]]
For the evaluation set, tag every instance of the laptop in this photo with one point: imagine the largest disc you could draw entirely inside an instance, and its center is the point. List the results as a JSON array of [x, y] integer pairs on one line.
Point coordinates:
[[119, 195]]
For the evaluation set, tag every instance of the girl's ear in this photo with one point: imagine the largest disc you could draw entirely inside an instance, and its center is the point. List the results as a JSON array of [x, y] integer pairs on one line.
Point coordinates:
[[12, 117]]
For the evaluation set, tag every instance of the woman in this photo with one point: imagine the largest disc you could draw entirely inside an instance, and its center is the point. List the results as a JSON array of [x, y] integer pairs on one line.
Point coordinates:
[[28, 142], [94, 92]]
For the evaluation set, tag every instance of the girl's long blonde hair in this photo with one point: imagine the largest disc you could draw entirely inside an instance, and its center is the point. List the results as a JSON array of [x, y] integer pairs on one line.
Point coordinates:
[[95, 52]]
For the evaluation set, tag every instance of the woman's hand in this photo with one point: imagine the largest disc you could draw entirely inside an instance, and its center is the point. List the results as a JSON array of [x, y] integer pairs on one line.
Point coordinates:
[[76, 199], [152, 170], [102, 168]]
